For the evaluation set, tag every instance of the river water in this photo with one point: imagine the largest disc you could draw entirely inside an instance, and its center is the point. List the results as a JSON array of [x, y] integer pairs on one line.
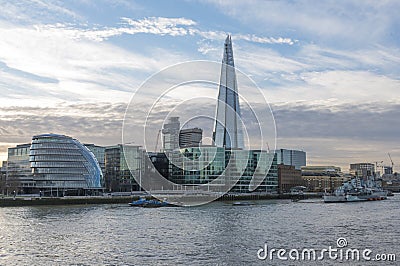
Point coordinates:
[[213, 234]]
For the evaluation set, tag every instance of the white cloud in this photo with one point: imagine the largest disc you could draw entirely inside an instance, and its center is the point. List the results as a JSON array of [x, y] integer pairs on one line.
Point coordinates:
[[78, 70], [348, 23], [31, 11], [157, 26]]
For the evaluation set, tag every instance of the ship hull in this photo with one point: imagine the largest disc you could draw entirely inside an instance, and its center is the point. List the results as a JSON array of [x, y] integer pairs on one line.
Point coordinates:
[[381, 195]]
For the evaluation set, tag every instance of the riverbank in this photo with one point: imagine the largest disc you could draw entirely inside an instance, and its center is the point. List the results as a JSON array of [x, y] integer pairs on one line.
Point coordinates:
[[90, 200]]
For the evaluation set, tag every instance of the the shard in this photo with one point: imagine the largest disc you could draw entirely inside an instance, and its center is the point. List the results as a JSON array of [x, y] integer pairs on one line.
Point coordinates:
[[228, 127]]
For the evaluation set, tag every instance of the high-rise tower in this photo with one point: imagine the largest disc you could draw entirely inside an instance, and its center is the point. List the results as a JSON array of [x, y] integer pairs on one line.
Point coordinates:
[[228, 130]]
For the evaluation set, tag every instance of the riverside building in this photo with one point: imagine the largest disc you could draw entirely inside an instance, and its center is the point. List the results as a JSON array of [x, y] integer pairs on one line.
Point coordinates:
[[118, 176], [321, 178], [18, 173], [62, 165]]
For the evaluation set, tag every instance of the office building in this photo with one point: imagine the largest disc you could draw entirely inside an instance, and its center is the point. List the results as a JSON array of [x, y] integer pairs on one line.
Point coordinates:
[[62, 165], [3, 172], [122, 164], [99, 153], [203, 165], [362, 170], [170, 134], [190, 137], [291, 157], [228, 131], [19, 177], [159, 162]]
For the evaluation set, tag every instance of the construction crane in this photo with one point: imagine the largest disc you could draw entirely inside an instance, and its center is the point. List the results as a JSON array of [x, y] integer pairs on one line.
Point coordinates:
[[158, 137], [390, 157]]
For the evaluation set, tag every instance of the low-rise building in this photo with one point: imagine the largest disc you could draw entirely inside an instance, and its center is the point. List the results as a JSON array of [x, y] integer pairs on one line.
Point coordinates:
[[321, 178], [288, 178], [19, 177]]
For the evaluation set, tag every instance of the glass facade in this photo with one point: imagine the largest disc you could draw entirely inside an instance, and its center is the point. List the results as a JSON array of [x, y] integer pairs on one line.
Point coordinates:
[[203, 165], [19, 176], [63, 163], [227, 129], [119, 177], [291, 157], [99, 153]]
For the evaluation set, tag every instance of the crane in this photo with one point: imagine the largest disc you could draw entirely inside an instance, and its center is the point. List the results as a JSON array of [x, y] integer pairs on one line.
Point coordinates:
[[158, 137], [390, 157]]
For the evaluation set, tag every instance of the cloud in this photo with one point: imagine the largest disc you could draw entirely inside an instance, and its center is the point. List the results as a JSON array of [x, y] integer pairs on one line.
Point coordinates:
[[47, 65], [157, 26], [32, 11], [346, 24], [349, 133]]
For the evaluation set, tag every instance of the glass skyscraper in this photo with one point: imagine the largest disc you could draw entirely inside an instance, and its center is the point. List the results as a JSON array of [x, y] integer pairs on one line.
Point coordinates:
[[228, 127]]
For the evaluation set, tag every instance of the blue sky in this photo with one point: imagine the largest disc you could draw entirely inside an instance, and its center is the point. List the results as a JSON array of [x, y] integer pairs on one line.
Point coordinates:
[[330, 69]]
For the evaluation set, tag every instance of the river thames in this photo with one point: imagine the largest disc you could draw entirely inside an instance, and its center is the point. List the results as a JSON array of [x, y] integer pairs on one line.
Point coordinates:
[[213, 234]]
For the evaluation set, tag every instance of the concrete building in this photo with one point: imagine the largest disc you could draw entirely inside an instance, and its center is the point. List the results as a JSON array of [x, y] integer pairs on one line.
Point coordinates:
[[190, 137], [321, 178], [382, 170], [362, 170], [291, 157], [170, 134], [288, 177], [122, 164], [62, 165]]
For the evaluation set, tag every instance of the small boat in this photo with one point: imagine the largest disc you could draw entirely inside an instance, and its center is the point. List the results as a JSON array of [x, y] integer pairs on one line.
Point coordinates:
[[242, 203], [153, 203], [139, 202]]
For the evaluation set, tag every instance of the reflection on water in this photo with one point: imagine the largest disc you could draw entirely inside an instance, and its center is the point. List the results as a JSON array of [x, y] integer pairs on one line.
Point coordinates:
[[214, 234]]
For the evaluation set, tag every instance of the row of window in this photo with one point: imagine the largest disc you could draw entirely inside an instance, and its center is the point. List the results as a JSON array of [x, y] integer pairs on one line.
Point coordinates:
[[58, 164], [54, 152], [56, 170], [66, 146], [59, 158]]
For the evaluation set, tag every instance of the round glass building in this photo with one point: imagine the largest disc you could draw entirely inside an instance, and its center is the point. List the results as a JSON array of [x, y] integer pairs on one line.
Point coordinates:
[[61, 165]]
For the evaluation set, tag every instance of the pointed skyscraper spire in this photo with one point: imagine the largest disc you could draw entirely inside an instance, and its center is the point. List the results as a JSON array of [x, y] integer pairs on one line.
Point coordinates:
[[228, 129]]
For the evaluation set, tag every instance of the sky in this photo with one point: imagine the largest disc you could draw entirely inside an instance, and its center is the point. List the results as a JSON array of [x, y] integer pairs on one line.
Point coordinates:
[[329, 69]]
